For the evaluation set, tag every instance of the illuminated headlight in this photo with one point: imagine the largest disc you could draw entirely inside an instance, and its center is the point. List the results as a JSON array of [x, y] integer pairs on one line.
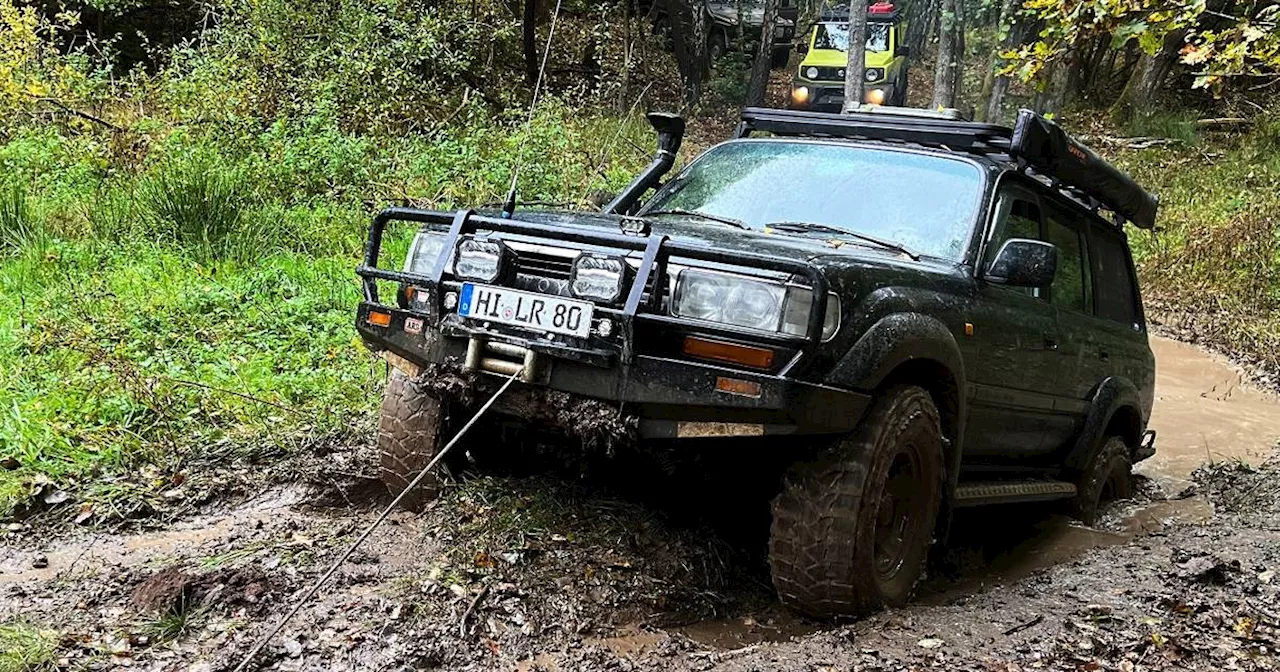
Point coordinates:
[[598, 278], [874, 74], [479, 260], [800, 95], [811, 72], [748, 302], [424, 252]]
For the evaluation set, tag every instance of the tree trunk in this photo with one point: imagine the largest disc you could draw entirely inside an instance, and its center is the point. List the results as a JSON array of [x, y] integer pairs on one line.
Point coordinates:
[[690, 50], [994, 86], [624, 87], [857, 63], [530, 34], [764, 57], [1148, 74], [944, 76]]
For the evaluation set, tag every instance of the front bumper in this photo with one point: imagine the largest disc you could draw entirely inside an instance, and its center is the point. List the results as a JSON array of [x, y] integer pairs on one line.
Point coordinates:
[[828, 97], [664, 393]]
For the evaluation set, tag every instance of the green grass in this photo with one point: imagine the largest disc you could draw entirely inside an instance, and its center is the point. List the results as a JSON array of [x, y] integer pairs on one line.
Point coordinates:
[[194, 305], [25, 648]]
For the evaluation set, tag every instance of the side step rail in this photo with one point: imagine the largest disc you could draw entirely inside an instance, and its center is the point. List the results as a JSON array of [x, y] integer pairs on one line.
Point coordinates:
[[1008, 492]]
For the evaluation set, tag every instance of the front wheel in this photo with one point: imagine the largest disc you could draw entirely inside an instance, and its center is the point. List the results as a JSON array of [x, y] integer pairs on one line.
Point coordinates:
[[851, 529], [411, 430]]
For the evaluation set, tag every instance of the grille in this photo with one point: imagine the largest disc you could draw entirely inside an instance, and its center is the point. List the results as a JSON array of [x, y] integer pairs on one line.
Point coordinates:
[[543, 265]]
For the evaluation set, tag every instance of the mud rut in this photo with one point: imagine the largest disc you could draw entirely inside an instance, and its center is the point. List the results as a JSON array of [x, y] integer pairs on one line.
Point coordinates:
[[602, 583]]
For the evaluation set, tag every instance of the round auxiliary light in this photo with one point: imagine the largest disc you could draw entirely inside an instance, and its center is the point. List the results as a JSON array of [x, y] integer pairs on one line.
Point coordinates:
[[450, 300], [604, 327]]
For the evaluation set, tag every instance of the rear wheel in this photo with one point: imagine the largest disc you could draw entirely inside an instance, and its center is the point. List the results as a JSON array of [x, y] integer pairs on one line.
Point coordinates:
[[851, 529], [1107, 479], [411, 430]]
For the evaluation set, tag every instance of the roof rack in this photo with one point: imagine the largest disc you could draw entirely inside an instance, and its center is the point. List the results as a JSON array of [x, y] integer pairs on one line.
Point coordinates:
[[1036, 145]]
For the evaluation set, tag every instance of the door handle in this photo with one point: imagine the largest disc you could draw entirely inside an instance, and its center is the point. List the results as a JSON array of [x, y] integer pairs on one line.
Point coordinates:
[[1050, 343], [1104, 355]]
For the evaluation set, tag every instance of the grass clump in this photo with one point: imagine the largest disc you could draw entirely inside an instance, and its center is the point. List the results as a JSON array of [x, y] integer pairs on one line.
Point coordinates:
[[25, 648], [198, 204], [18, 226]]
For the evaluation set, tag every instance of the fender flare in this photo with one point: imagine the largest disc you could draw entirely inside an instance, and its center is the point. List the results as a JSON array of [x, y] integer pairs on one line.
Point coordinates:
[[901, 338], [1112, 395]]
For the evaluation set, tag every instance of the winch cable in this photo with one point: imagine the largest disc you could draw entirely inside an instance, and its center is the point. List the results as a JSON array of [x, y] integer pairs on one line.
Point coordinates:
[[315, 587], [509, 207]]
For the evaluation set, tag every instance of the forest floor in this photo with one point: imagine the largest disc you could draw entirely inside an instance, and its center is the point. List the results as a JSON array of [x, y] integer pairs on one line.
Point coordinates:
[[545, 573]]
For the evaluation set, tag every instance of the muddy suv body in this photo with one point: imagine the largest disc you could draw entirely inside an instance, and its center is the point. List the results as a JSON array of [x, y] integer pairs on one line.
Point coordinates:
[[926, 313]]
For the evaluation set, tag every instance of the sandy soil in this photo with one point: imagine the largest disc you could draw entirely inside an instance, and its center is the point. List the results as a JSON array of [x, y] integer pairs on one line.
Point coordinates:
[[540, 574]]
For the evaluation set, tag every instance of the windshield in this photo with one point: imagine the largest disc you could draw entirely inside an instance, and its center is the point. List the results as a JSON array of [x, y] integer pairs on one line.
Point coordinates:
[[836, 36], [923, 201]]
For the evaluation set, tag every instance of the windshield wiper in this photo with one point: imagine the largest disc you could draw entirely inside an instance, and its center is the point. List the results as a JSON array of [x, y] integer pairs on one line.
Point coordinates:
[[737, 223], [810, 227]]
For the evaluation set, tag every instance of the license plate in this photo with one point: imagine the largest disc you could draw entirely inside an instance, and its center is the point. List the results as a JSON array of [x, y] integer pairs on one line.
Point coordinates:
[[526, 309], [831, 100]]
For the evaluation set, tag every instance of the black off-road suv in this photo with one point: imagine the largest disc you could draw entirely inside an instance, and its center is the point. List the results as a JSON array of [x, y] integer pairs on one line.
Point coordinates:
[[948, 309]]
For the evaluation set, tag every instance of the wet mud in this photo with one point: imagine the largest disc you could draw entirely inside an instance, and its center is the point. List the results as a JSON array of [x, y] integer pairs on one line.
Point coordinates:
[[545, 574]]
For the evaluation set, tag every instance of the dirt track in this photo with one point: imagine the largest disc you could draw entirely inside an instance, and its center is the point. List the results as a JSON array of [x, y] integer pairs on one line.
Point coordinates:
[[539, 574]]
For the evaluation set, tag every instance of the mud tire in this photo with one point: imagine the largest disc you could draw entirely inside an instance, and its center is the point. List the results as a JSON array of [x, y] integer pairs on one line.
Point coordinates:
[[1108, 478], [410, 431], [823, 540]]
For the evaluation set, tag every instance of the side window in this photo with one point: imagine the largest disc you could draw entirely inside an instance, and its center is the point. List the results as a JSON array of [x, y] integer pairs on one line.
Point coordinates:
[[1069, 289], [1017, 216], [1115, 292]]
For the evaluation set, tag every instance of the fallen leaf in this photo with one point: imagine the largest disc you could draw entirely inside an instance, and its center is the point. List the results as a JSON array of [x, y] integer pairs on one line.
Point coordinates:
[[930, 643]]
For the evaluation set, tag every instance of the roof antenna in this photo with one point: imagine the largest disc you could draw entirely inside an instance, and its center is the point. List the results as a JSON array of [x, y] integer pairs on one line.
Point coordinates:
[[509, 207]]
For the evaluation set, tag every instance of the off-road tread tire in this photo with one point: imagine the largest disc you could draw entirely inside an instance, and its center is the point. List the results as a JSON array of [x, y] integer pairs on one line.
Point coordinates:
[[1113, 458], [821, 541], [410, 431]]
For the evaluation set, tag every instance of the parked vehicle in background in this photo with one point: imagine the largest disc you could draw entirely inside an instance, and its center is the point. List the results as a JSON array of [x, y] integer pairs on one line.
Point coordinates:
[[913, 313], [819, 79], [735, 23]]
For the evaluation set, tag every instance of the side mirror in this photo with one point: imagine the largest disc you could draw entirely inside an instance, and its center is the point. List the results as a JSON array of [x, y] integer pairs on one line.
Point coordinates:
[[802, 47], [1022, 262], [903, 51]]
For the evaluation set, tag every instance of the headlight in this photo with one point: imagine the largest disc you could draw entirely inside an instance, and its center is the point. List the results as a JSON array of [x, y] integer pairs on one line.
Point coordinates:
[[874, 74], [728, 299], [598, 278], [424, 252], [795, 319], [480, 260], [811, 72], [748, 302]]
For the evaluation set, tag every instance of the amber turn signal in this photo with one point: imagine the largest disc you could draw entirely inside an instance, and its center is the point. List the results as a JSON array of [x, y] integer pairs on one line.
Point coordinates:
[[379, 318], [757, 358]]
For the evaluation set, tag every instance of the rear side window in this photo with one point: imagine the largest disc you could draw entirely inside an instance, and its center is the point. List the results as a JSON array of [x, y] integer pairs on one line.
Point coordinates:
[[1112, 279], [1069, 284]]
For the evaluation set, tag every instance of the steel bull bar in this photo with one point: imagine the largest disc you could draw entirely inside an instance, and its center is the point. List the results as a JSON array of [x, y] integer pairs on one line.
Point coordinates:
[[657, 251]]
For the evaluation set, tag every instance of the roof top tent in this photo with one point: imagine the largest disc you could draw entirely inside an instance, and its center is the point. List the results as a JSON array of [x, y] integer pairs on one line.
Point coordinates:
[[1035, 145]]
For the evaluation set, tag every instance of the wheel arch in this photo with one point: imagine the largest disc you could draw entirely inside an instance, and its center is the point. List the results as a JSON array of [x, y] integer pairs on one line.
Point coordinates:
[[1114, 410], [913, 349]]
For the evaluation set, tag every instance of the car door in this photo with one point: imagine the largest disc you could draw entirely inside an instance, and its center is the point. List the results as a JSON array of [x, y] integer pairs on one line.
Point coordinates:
[[1080, 366], [1121, 347], [1014, 384]]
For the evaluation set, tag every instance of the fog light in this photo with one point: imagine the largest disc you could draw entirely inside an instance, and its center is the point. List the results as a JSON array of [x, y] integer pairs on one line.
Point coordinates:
[[450, 300], [800, 95], [604, 327], [598, 278], [479, 259], [875, 96]]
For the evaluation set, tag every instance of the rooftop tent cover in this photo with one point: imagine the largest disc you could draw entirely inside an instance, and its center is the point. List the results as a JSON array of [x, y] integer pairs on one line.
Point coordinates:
[[1050, 151]]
